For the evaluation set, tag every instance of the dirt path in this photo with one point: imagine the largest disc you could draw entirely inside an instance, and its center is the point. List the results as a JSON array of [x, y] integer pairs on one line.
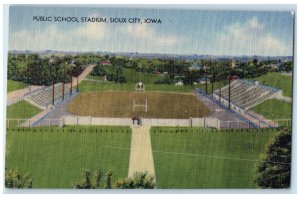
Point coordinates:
[[83, 75], [141, 158], [31, 121]]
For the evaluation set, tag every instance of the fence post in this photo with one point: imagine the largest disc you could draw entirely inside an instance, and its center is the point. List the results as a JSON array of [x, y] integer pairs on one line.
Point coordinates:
[[146, 105], [77, 120], [28, 122], [61, 122]]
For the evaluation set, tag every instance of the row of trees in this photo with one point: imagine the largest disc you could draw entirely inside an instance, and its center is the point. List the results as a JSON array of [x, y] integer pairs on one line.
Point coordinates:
[[36, 70], [112, 72], [100, 180], [88, 180], [214, 69], [33, 69]]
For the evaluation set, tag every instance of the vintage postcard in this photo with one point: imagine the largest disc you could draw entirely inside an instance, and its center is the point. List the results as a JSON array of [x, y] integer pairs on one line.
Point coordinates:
[[136, 98]]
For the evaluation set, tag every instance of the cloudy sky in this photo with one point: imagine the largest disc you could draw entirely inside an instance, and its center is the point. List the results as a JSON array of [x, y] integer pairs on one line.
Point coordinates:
[[180, 31]]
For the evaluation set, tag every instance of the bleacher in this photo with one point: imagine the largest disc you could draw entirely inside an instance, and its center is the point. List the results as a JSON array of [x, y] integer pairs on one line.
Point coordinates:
[[246, 94], [43, 98]]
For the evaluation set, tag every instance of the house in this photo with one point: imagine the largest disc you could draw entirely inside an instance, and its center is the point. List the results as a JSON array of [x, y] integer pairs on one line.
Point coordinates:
[[195, 67], [179, 83], [203, 80], [105, 63]]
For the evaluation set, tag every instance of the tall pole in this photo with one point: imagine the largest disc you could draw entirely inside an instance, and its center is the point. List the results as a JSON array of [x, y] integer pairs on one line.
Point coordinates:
[[63, 86], [205, 81], [53, 86], [212, 81], [212, 87], [220, 92], [71, 86], [229, 93], [77, 84], [212, 84], [63, 89]]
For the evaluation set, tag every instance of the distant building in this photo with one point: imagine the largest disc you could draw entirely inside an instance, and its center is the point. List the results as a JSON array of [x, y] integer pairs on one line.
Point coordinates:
[[179, 83], [105, 63], [233, 64], [203, 80], [196, 67]]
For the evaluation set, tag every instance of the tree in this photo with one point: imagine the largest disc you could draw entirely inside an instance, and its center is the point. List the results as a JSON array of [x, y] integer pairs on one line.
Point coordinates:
[[89, 182], [14, 179], [275, 169], [108, 183], [140, 180]]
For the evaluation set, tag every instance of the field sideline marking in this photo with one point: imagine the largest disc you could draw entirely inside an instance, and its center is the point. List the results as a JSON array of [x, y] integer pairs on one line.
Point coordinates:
[[198, 155]]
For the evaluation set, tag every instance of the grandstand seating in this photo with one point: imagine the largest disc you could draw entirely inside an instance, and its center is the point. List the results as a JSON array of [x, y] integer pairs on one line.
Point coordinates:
[[43, 98], [246, 94]]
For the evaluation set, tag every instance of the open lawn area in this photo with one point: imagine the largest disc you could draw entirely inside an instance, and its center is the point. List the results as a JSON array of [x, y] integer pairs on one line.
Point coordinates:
[[133, 76], [22, 109], [14, 85], [120, 104], [274, 109], [55, 157], [202, 158], [279, 81], [87, 86]]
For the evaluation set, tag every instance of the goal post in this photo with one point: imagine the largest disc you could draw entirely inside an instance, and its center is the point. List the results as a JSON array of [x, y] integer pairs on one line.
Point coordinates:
[[145, 106]]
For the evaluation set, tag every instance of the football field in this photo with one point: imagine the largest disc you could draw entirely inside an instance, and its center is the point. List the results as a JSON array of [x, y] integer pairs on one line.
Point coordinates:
[[120, 104]]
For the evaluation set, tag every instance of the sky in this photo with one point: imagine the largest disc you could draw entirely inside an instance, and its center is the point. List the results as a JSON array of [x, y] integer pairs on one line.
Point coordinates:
[[202, 32]]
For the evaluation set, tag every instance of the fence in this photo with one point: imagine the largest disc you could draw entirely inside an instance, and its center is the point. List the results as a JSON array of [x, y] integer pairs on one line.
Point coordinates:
[[87, 120], [192, 122], [10, 123], [14, 100], [283, 122]]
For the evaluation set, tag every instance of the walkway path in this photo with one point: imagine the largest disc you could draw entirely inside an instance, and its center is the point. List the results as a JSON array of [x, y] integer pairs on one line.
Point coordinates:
[[83, 75], [141, 158]]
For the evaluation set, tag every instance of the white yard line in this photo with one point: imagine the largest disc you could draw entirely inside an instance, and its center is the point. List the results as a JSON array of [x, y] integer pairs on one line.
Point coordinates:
[[141, 157]]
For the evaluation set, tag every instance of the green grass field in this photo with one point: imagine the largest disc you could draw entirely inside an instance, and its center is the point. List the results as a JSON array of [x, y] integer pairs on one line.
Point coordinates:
[[279, 81], [201, 158], [55, 157], [274, 109], [87, 86], [133, 76], [14, 85], [22, 109], [91, 77]]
